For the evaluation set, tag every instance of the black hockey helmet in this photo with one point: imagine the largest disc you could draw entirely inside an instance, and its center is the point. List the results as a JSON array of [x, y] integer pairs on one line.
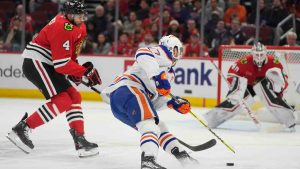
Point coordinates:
[[74, 7]]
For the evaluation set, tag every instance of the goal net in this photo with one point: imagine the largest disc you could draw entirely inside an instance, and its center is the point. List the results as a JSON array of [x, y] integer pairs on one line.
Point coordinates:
[[288, 56]]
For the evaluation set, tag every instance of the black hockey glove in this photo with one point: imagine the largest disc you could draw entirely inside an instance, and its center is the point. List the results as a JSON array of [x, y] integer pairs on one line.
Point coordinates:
[[75, 79], [91, 74]]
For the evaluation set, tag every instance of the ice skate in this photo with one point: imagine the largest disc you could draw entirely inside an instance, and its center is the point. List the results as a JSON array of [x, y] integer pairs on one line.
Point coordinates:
[[82, 146], [19, 136], [184, 158], [148, 162]]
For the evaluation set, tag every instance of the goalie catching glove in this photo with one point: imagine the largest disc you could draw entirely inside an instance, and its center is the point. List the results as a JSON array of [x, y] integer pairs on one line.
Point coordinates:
[[179, 104], [91, 74], [162, 84]]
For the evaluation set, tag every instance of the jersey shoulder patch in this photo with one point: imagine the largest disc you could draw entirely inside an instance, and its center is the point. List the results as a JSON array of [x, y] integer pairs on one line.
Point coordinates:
[[276, 61], [68, 26], [244, 61]]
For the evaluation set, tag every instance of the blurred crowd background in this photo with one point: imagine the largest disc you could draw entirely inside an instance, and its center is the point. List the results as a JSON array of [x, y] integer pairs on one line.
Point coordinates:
[[119, 27]]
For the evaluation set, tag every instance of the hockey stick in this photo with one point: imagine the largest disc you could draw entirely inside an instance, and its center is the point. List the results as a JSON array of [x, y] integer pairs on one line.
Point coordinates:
[[200, 147], [91, 87], [209, 129], [251, 115]]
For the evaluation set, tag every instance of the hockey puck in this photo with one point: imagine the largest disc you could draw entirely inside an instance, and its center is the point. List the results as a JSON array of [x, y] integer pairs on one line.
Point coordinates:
[[230, 164]]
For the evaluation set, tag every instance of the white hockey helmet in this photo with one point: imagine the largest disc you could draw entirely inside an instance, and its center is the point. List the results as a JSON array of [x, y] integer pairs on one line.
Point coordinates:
[[173, 44], [259, 53]]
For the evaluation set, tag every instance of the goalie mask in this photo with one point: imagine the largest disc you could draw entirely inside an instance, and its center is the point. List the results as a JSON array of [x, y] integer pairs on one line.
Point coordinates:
[[174, 45], [259, 53]]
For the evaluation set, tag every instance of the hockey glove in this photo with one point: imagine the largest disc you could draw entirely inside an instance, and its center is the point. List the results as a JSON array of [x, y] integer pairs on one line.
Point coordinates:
[[75, 79], [179, 104], [91, 74], [162, 84]]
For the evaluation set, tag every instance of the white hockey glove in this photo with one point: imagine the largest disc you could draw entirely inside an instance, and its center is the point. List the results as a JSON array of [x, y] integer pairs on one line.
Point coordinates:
[[276, 78]]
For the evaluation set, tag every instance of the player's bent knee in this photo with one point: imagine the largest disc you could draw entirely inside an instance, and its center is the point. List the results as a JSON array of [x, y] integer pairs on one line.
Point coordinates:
[[163, 127], [74, 95], [148, 126], [62, 101]]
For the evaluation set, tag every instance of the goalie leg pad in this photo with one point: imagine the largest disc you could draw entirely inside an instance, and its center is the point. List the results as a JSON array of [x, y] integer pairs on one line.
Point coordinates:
[[223, 112], [275, 104]]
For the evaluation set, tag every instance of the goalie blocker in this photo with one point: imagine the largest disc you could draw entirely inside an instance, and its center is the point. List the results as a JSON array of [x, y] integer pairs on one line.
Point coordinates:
[[271, 99]]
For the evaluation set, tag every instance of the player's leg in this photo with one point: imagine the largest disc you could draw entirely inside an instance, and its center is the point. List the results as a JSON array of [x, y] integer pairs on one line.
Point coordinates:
[[132, 107], [170, 144], [75, 119], [43, 76], [231, 106], [274, 103]]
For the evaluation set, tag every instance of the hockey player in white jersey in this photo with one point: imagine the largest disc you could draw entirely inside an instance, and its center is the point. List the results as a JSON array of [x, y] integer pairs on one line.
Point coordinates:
[[256, 74], [137, 94]]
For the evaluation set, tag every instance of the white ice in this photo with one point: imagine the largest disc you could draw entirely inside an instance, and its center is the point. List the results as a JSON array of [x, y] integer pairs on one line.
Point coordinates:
[[119, 144]]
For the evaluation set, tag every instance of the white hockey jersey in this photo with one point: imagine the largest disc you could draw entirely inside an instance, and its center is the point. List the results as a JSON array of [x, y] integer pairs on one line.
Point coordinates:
[[149, 62]]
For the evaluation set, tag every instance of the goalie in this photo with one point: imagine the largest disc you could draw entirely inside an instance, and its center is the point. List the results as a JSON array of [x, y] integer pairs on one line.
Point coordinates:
[[256, 74]]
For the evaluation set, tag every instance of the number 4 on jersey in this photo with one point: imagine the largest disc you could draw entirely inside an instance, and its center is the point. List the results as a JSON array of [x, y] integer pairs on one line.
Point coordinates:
[[66, 45]]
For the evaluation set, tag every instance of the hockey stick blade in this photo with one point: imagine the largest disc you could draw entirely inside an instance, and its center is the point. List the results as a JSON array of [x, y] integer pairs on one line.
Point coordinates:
[[200, 147]]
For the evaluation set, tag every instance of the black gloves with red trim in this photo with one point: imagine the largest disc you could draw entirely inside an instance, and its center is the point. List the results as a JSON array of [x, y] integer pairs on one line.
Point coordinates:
[[91, 74]]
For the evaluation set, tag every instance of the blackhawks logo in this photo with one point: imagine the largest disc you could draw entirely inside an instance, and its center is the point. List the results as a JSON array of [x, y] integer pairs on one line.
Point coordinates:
[[244, 61], [68, 26], [276, 61]]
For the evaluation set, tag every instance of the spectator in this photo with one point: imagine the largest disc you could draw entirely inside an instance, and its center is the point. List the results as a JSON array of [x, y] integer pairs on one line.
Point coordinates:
[[13, 39], [193, 48], [124, 46], [221, 4], [101, 46], [238, 36], [263, 14], [174, 29], [147, 42], [291, 39], [2, 46], [276, 14], [153, 19], [179, 12], [166, 20], [142, 13], [129, 25], [20, 14], [220, 37], [235, 11], [110, 10], [214, 8], [190, 29], [99, 22], [196, 12]]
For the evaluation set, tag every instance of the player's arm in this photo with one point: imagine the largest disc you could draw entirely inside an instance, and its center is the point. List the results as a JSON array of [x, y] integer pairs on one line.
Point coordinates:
[[62, 48], [147, 61]]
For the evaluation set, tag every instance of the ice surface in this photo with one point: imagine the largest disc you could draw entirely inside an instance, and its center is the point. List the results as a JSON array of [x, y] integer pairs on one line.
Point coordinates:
[[119, 144]]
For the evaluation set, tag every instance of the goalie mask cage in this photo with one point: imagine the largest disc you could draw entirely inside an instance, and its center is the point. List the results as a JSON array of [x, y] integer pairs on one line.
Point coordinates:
[[288, 56]]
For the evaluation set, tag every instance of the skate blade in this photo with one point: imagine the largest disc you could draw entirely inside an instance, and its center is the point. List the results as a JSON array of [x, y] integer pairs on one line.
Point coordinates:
[[13, 137], [90, 153]]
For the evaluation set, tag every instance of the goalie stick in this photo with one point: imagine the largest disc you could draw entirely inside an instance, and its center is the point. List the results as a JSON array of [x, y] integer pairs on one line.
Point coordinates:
[[200, 147]]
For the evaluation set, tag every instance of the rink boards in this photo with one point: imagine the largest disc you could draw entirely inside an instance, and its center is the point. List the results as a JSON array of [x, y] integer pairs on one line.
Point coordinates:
[[195, 79]]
